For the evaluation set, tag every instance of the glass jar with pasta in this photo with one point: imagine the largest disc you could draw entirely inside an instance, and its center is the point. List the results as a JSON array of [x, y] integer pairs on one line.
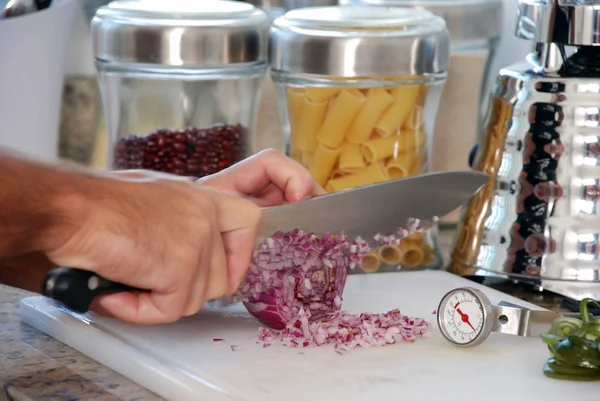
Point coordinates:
[[358, 89]]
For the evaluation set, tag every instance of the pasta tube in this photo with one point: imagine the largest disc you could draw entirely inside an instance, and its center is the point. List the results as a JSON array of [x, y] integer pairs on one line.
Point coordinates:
[[306, 158], [417, 237], [295, 99], [322, 163], [322, 94], [311, 118], [390, 255], [391, 146], [337, 173], [376, 103], [372, 174], [400, 166], [412, 255], [405, 97], [351, 158], [370, 262], [338, 119]]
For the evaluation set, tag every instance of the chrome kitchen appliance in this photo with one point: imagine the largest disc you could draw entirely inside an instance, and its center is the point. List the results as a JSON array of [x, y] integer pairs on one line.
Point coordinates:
[[538, 218]]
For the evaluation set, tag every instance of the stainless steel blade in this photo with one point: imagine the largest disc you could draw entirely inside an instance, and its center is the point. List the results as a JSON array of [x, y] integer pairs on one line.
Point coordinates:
[[377, 208]]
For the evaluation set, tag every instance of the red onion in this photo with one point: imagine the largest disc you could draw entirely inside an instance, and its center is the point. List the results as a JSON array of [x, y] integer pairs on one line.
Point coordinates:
[[295, 271], [295, 284], [348, 331]]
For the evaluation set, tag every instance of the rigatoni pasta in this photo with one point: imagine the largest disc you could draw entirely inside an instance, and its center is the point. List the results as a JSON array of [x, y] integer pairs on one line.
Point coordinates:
[[401, 165], [377, 102], [371, 262], [350, 136], [323, 163], [372, 174], [390, 255], [405, 98], [339, 117], [412, 255], [351, 158], [310, 120], [321, 94]]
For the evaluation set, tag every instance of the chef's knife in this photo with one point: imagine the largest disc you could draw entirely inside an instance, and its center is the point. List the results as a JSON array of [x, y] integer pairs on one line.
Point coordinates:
[[364, 211]]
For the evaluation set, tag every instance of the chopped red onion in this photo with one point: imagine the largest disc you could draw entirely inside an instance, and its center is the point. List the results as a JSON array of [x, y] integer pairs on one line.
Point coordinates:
[[295, 284], [348, 331], [218, 340]]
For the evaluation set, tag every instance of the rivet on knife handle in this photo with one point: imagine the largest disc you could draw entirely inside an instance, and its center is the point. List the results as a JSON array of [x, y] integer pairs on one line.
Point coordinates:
[[76, 288]]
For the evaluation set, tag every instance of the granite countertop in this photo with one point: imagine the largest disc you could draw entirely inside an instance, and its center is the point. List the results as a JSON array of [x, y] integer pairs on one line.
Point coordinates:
[[34, 366]]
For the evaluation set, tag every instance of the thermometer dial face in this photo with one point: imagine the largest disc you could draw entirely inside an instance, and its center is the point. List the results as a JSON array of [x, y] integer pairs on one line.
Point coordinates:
[[464, 317]]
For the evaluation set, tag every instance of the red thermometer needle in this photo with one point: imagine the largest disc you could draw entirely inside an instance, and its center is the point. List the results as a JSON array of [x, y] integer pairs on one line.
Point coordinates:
[[465, 318]]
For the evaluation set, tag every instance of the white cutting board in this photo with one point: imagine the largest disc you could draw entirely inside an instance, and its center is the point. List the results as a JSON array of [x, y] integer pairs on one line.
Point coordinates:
[[181, 362]]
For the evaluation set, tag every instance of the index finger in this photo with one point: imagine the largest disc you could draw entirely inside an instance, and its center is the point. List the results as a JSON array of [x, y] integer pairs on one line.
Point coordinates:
[[257, 172], [238, 220]]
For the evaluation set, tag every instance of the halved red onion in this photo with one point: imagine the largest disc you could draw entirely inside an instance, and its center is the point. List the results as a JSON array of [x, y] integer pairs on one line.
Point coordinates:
[[294, 271]]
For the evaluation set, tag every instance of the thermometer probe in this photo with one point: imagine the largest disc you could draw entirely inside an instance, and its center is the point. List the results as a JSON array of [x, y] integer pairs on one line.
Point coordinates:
[[466, 317]]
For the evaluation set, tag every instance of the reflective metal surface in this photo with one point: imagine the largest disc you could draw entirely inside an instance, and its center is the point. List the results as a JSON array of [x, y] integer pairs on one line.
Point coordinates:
[[353, 41], [182, 33], [467, 20], [537, 219], [352, 211], [518, 321], [569, 22]]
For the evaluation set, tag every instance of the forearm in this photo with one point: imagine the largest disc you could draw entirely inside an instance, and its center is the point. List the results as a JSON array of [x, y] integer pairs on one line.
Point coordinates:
[[36, 203]]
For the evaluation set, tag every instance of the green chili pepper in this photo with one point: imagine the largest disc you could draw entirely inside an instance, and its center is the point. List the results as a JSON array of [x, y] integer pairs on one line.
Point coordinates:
[[583, 309], [574, 346], [565, 326], [578, 351], [560, 370]]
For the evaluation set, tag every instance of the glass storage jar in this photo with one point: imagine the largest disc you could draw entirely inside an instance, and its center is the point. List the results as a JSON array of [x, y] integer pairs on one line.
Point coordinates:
[[181, 82], [475, 27], [354, 85]]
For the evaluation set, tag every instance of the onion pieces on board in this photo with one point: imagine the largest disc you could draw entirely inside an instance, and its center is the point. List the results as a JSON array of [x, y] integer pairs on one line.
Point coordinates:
[[294, 286]]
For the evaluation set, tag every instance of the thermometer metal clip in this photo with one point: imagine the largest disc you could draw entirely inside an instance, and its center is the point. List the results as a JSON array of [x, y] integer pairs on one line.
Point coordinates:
[[466, 317]]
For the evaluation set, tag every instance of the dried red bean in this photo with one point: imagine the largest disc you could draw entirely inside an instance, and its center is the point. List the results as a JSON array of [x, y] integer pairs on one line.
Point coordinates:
[[192, 152]]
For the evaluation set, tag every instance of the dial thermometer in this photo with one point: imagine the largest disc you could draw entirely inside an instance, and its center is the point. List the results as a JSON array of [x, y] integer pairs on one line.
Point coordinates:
[[466, 317]]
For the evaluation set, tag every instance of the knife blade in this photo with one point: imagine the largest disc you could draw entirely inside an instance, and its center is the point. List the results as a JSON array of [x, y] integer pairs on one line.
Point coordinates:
[[363, 212], [377, 208]]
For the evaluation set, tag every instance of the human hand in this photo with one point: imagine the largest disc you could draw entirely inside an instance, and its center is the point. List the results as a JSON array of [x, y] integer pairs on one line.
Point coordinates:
[[269, 178], [182, 242]]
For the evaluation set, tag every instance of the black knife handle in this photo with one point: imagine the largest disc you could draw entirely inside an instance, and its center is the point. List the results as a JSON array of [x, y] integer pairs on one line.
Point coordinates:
[[42, 4], [76, 288]]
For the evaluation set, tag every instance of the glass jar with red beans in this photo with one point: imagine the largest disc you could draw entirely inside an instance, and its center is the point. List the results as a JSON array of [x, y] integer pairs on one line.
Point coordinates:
[[181, 82]]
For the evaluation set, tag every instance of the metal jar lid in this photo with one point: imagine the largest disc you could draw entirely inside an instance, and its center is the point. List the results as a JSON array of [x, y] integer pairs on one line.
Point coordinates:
[[568, 22], [182, 33], [355, 41], [467, 20]]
